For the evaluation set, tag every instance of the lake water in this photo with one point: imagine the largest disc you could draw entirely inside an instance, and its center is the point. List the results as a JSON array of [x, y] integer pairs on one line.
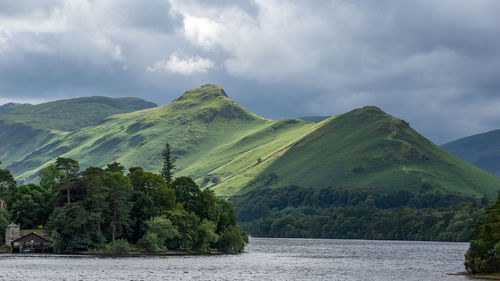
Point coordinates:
[[264, 259]]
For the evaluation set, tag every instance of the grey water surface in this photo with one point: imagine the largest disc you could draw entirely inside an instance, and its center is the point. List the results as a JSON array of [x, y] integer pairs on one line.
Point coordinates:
[[264, 259]]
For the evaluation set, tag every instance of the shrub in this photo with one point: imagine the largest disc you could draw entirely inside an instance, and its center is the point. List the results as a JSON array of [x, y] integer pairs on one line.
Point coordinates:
[[120, 246]]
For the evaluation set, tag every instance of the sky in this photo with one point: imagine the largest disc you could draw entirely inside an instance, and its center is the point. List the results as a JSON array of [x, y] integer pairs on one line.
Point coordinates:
[[433, 63]]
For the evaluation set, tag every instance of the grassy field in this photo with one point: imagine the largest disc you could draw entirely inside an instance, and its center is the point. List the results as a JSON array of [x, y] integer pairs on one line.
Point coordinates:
[[231, 150]]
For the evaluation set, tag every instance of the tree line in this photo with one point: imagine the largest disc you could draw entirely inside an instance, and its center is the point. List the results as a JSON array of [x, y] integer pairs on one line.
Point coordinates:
[[483, 255], [359, 213], [109, 209]]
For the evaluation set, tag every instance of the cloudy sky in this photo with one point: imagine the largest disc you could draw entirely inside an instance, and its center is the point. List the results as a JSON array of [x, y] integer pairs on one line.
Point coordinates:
[[435, 63]]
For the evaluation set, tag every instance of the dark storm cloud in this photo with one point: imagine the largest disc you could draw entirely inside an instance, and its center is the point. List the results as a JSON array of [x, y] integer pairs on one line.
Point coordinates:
[[432, 63]]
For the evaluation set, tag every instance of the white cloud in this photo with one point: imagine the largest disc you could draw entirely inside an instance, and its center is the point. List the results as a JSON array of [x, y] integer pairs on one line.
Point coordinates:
[[186, 66], [75, 29], [202, 31]]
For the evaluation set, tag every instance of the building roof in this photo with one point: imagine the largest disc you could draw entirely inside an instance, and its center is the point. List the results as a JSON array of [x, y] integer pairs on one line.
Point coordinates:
[[39, 232], [31, 237]]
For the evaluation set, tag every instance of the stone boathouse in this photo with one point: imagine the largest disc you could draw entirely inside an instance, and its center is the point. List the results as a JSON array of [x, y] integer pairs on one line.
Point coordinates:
[[27, 240]]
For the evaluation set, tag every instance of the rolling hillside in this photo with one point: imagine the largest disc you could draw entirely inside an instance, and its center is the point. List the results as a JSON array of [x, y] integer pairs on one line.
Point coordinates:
[[482, 150], [25, 128], [314, 119], [369, 148], [8, 107], [233, 151]]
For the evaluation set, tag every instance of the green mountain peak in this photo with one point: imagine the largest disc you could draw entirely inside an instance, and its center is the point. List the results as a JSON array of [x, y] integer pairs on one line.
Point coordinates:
[[204, 93], [206, 103], [233, 151]]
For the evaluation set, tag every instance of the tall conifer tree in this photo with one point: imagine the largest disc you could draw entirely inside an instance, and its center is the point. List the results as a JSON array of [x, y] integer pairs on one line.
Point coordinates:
[[167, 171]]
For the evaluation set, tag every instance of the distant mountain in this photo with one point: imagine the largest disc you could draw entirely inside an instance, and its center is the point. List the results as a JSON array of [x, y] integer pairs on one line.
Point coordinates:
[[482, 150], [26, 128], [233, 151], [8, 107], [73, 114], [314, 119]]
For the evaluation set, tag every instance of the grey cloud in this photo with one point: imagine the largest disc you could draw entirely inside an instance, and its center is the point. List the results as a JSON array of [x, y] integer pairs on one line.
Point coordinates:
[[434, 63]]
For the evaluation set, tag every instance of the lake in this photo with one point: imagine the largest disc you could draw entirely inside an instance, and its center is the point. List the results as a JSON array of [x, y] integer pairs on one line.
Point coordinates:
[[264, 259]]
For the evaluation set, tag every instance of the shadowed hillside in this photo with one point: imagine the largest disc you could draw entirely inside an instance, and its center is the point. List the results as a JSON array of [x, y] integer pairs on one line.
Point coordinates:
[[482, 150]]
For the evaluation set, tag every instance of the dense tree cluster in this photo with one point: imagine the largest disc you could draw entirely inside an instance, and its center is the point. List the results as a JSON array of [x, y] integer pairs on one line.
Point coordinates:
[[7, 182], [358, 213], [483, 255], [109, 210]]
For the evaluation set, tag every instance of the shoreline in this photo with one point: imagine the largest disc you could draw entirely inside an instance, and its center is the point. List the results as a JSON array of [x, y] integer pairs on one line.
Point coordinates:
[[496, 276], [138, 254], [130, 254]]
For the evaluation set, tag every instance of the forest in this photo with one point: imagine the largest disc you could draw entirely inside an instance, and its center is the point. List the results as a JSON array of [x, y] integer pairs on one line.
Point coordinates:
[[109, 210], [483, 255], [359, 213]]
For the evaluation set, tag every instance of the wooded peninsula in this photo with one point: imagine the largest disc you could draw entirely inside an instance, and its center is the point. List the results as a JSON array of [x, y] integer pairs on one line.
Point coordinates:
[[107, 211]]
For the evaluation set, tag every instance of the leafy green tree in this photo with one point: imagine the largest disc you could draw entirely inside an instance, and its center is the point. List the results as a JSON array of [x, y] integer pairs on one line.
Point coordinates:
[[118, 198], [7, 183], [167, 171], [232, 240], [70, 228], [227, 217], [143, 209], [208, 206], [49, 177], [151, 243], [483, 255], [160, 231], [187, 224], [115, 167], [70, 168], [206, 236], [187, 192], [97, 203], [151, 198], [4, 222], [155, 186], [31, 205]]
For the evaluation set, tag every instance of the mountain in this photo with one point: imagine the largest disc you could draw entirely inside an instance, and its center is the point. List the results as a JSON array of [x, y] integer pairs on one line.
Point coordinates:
[[8, 107], [482, 150], [25, 128], [369, 148], [226, 148], [72, 114]]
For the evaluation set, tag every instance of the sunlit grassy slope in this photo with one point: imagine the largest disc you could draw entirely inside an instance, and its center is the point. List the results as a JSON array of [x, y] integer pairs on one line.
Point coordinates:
[[26, 128], [482, 150], [231, 150], [369, 148]]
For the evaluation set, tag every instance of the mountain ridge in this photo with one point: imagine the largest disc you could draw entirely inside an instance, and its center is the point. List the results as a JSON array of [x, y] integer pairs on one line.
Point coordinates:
[[27, 128], [8, 107], [230, 150], [481, 150]]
